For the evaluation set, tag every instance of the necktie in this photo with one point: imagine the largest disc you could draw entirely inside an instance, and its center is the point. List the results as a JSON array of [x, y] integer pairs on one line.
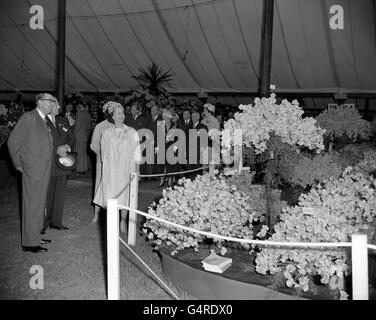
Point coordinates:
[[49, 122]]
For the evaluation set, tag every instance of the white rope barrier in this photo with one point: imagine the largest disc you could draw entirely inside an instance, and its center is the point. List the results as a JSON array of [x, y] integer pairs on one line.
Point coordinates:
[[172, 173], [250, 241]]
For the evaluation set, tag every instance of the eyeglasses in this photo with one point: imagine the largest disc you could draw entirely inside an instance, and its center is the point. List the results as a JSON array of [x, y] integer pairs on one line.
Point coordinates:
[[51, 100]]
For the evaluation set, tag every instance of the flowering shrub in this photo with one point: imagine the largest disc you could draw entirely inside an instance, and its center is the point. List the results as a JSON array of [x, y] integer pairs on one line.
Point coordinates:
[[305, 170], [342, 121], [267, 118], [147, 99], [368, 164], [8, 119], [340, 208], [209, 203], [256, 194]]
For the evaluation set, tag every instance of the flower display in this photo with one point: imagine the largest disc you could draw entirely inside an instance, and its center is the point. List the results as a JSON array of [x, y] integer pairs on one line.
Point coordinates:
[[8, 119], [209, 203], [256, 194], [265, 119], [306, 170], [367, 164], [330, 212], [342, 121], [147, 99]]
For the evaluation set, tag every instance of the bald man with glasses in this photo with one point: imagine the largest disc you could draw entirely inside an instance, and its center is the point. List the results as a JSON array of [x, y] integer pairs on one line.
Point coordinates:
[[31, 148]]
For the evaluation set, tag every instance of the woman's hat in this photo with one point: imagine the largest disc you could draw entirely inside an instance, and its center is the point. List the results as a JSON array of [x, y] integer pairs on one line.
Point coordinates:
[[210, 107], [68, 162], [167, 113]]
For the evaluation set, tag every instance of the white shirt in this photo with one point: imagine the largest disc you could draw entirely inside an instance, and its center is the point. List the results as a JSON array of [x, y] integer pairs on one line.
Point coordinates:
[[52, 118], [41, 114], [70, 118]]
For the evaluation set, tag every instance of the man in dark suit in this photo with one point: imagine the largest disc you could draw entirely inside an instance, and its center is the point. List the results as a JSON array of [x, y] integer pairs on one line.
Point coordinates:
[[69, 115], [135, 119], [185, 124], [138, 121], [63, 142], [30, 146], [155, 116], [82, 129], [199, 134]]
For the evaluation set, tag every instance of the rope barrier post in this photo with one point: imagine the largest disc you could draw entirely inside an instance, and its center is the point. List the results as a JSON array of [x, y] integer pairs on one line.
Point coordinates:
[[238, 161], [359, 258], [211, 167], [113, 286], [133, 203]]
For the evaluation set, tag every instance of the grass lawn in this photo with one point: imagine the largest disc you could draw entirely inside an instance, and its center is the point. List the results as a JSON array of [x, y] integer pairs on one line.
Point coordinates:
[[74, 266]]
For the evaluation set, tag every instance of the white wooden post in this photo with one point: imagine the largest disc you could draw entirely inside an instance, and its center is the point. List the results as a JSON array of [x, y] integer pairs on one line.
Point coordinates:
[[113, 286], [359, 258], [238, 160], [133, 203]]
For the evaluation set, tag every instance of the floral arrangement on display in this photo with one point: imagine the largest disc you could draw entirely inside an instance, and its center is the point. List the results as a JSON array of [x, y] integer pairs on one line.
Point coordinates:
[[330, 212], [342, 122], [209, 203], [146, 99], [8, 119], [306, 170], [256, 194], [368, 163], [265, 119]]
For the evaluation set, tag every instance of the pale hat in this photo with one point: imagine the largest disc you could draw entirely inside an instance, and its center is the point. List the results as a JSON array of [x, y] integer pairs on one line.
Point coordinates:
[[210, 107], [167, 113], [110, 106]]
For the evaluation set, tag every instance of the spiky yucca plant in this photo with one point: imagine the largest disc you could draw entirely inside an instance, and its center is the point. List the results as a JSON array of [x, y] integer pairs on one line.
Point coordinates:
[[153, 78]]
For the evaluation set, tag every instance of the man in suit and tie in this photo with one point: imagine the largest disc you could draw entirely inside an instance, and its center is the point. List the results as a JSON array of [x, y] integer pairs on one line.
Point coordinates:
[[185, 124], [30, 146], [82, 129], [69, 115], [63, 142], [197, 134], [155, 116], [137, 121]]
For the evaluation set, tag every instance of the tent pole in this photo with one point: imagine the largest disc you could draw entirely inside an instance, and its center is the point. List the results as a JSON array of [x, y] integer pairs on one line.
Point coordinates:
[[61, 26], [266, 48]]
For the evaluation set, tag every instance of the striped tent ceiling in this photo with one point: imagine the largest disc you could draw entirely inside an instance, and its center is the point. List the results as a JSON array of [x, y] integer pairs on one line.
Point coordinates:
[[211, 45]]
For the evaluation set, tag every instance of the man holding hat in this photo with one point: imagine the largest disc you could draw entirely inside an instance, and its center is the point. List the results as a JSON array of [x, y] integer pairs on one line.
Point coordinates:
[[63, 142]]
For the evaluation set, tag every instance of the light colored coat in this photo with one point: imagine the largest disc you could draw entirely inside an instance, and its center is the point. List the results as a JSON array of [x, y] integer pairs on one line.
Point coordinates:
[[120, 155], [95, 145]]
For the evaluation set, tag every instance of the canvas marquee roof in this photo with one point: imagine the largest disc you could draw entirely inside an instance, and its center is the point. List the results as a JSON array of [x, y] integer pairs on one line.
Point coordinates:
[[210, 45]]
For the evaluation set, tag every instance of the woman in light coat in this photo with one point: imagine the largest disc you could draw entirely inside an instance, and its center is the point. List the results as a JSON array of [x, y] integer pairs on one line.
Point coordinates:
[[120, 156], [95, 145]]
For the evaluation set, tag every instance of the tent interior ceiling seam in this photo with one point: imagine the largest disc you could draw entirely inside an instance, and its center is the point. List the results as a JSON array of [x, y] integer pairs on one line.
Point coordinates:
[[218, 49]]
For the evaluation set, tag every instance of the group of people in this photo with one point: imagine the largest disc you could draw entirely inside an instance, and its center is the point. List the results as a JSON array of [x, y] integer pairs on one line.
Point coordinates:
[[123, 143], [148, 144]]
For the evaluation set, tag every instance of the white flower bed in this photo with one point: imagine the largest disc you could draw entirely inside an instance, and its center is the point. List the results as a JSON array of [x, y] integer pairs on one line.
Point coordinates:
[[209, 204], [267, 118], [344, 122], [341, 208]]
